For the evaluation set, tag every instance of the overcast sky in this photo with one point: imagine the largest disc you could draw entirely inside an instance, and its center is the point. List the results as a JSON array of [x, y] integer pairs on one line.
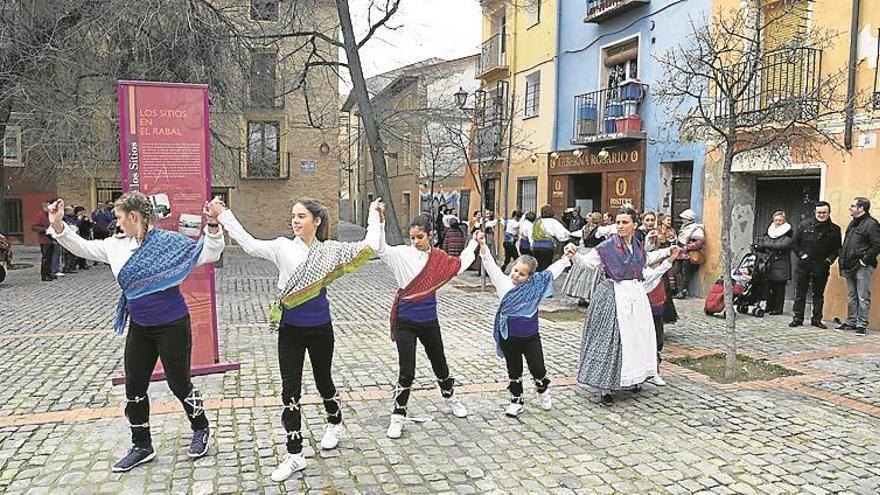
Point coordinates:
[[427, 28]]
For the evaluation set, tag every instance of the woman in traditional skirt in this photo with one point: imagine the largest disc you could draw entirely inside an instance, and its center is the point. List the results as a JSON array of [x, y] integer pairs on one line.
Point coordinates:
[[619, 348], [306, 266], [420, 271], [150, 264], [581, 281]]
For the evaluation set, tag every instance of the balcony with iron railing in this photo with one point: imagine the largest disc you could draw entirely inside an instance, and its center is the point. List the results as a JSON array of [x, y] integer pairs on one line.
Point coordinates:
[[599, 11], [785, 88], [613, 114], [492, 62]]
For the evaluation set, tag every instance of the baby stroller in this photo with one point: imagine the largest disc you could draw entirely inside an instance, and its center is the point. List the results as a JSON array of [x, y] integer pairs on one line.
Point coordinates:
[[5, 256], [748, 284]]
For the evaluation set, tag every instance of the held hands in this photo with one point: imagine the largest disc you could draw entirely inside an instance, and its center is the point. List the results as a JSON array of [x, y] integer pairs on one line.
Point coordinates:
[[214, 209], [481, 240], [378, 205], [673, 253], [56, 212], [570, 250]]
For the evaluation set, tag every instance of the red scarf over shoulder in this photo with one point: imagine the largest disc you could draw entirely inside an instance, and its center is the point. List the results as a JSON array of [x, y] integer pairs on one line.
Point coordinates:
[[439, 269]]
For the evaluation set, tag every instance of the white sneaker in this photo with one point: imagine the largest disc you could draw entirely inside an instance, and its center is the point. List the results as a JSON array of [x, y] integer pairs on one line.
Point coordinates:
[[458, 408], [656, 380], [291, 464], [60, 274], [395, 427], [513, 410], [331, 436], [545, 401]]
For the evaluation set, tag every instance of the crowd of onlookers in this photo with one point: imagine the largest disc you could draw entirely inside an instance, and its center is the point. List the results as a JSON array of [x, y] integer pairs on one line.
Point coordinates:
[[56, 261], [816, 244], [546, 242]]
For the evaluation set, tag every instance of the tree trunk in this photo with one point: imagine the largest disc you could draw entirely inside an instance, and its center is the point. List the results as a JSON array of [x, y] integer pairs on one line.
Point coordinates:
[[730, 313], [371, 128]]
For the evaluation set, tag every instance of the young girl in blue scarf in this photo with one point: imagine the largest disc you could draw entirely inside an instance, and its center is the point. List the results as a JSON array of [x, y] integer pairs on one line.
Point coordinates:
[[150, 264], [516, 321]]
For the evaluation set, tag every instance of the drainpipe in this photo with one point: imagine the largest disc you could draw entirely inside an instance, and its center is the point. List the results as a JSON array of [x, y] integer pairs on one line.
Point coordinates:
[[851, 82], [553, 145]]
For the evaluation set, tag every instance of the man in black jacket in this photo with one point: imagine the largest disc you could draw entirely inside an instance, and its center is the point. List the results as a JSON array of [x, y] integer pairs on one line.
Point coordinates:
[[816, 244], [858, 259]]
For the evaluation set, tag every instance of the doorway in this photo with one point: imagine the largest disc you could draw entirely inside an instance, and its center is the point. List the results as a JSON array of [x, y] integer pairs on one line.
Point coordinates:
[[682, 181], [586, 192], [796, 196]]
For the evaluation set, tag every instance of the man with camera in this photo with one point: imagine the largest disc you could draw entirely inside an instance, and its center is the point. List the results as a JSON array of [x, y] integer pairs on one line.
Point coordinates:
[[816, 244]]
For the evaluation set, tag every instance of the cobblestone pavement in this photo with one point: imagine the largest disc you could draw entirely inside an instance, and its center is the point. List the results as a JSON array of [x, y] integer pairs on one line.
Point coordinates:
[[61, 424]]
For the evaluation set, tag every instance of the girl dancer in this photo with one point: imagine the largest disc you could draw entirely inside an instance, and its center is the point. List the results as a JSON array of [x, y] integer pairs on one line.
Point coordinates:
[[306, 266], [420, 271], [149, 263], [516, 322]]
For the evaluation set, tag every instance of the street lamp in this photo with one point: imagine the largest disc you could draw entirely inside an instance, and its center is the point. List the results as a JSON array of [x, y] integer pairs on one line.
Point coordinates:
[[461, 97]]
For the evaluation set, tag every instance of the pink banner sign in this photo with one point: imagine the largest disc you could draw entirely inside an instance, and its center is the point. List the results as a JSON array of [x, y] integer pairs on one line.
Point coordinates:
[[165, 149]]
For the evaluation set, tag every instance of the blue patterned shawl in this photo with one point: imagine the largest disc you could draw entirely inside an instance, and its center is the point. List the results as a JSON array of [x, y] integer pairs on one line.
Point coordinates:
[[163, 260], [619, 263], [522, 300]]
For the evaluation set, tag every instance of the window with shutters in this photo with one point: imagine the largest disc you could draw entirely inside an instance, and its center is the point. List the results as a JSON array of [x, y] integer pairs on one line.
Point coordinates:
[[262, 80], [12, 147], [527, 195], [533, 12], [263, 151], [784, 74], [533, 94], [620, 62]]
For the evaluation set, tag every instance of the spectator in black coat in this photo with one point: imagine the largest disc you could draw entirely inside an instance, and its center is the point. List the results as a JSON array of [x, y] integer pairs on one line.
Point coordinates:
[[776, 245], [858, 259], [816, 243]]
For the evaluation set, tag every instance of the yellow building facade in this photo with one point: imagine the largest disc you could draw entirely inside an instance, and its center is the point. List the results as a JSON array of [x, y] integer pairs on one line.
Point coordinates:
[[832, 175], [517, 70]]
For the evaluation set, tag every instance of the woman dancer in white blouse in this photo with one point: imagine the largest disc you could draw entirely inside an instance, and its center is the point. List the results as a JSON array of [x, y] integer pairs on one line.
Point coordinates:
[[306, 265]]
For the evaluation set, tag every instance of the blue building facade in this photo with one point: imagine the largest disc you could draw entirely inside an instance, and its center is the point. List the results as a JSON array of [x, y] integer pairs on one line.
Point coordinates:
[[613, 141]]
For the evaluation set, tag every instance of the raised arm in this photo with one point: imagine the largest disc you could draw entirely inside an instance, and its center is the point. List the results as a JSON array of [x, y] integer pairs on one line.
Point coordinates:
[[375, 237], [67, 236], [561, 264], [468, 255], [556, 229], [653, 276], [214, 242], [496, 276], [268, 250]]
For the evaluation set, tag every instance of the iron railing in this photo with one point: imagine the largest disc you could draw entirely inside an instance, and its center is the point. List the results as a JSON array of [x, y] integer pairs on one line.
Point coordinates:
[[601, 10], [785, 87], [609, 113], [493, 54]]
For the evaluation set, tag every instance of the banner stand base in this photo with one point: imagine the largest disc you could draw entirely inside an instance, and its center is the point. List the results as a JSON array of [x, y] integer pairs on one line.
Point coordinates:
[[198, 370]]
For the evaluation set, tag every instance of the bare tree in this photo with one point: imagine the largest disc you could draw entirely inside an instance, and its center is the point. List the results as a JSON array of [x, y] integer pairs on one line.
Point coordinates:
[[749, 94], [352, 46]]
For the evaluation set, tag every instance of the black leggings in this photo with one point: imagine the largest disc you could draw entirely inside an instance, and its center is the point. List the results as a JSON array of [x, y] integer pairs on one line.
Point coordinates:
[[293, 342], [514, 350], [544, 257], [510, 253], [46, 251], [172, 343], [407, 333], [660, 335]]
